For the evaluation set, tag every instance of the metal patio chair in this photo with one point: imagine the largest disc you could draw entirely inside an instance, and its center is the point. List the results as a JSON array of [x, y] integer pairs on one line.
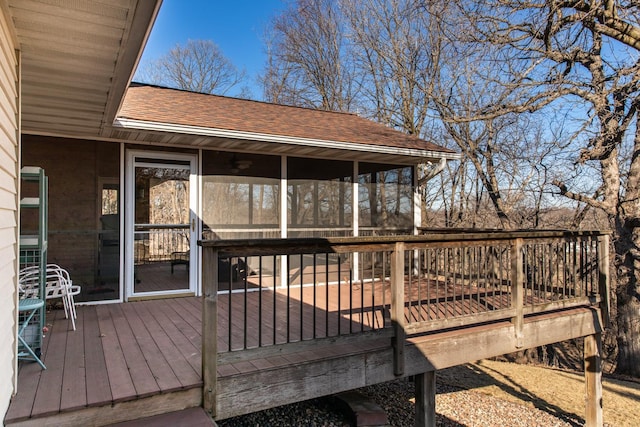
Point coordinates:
[[58, 285]]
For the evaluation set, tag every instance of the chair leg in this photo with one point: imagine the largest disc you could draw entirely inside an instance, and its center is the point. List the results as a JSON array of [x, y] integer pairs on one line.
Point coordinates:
[[69, 308], [30, 352], [65, 304], [67, 300], [72, 309]]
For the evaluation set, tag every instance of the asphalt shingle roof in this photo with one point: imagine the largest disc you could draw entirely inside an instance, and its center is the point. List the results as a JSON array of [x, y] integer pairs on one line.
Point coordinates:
[[171, 106]]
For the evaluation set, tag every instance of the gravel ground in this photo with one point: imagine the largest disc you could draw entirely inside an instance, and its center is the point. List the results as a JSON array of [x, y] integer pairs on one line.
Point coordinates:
[[455, 408]]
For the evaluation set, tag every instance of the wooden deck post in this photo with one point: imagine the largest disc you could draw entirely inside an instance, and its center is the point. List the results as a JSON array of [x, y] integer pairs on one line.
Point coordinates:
[[517, 289], [397, 307], [209, 329], [593, 380], [603, 277], [425, 385]]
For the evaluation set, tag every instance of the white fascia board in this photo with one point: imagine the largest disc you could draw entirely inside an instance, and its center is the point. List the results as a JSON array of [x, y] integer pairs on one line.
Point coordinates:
[[280, 139]]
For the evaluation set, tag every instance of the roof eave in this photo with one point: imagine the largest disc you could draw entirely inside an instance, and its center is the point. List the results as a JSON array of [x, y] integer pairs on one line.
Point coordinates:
[[143, 125], [144, 17]]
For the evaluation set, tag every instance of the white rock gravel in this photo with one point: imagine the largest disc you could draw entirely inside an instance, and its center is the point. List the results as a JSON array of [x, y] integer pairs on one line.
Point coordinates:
[[454, 407]]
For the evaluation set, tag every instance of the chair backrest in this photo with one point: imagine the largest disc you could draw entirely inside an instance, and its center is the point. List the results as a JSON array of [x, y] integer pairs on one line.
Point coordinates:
[[57, 281]]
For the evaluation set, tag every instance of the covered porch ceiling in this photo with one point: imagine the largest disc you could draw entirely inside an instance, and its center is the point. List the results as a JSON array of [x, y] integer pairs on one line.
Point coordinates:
[[77, 59]]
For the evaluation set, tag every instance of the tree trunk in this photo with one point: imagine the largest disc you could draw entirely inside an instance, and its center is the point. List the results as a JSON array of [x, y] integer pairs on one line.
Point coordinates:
[[627, 264]]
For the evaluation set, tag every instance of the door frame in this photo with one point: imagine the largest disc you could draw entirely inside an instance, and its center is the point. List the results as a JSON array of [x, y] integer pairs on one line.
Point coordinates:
[[129, 223]]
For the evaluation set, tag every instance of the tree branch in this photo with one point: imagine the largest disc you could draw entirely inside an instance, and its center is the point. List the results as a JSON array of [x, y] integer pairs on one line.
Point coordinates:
[[581, 197], [609, 23]]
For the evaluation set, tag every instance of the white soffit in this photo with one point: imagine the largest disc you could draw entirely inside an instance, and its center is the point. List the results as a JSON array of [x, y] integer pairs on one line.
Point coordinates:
[[78, 57]]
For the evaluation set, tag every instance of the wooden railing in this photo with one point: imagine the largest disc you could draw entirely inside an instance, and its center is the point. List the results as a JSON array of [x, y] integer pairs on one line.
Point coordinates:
[[156, 242], [276, 294]]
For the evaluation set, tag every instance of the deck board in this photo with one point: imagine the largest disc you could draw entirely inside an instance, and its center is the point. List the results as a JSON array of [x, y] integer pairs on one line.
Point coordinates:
[[183, 371], [141, 375], [74, 376], [51, 378], [182, 344], [160, 369], [119, 379], [22, 404], [98, 386]]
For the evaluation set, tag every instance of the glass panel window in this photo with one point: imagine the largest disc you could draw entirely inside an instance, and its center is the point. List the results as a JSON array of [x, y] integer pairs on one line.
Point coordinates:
[[110, 199], [386, 197], [240, 195], [319, 198]]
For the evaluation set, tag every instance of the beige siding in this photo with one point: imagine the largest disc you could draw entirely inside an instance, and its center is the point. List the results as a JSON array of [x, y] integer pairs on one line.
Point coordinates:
[[8, 209]]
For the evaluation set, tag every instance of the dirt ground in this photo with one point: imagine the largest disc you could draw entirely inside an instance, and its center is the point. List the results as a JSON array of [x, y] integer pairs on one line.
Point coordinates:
[[556, 391]]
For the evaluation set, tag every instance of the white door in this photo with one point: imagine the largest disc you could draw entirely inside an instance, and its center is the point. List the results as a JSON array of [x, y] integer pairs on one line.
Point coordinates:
[[161, 224]]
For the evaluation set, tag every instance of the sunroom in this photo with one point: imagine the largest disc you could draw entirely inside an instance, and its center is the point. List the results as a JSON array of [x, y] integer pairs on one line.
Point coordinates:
[[126, 210]]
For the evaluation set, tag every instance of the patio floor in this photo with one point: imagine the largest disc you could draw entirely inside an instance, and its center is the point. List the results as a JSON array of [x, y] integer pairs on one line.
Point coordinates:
[[119, 352]]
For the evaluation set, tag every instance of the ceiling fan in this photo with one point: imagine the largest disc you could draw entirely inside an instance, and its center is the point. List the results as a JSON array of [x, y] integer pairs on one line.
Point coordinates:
[[237, 165]]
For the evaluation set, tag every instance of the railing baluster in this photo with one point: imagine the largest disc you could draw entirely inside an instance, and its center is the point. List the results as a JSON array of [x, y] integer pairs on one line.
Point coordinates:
[[230, 309], [517, 277], [326, 286], [436, 270], [482, 270], [339, 311], [260, 327], [275, 294], [446, 266], [383, 282], [418, 267], [245, 302], [315, 293], [427, 256], [373, 287], [301, 297], [288, 324], [362, 325], [603, 277]]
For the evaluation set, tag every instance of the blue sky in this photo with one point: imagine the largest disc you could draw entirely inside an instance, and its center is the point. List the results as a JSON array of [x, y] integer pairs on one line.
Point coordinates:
[[236, 26]]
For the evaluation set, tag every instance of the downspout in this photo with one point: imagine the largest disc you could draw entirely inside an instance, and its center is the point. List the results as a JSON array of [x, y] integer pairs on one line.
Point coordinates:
[[431, 171]]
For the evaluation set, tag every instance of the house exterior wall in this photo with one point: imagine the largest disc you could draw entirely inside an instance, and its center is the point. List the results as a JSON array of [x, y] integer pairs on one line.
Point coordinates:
[[77, 171], [9, 149]]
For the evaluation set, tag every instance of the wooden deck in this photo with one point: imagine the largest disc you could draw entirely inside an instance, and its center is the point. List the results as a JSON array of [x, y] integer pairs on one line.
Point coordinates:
[[121, 353], [143, 358], [268, 347]]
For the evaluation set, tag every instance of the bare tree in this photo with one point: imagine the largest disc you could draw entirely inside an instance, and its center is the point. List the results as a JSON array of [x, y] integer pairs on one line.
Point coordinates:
[[396, 51], [198, 66], [583, 56], [306, 59], [528, 91], [410, 74]]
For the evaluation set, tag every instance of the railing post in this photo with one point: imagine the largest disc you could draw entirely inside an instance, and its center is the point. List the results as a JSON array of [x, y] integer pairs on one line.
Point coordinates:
[[210, 329], [603, 277], [517, 289], [397, 307]]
